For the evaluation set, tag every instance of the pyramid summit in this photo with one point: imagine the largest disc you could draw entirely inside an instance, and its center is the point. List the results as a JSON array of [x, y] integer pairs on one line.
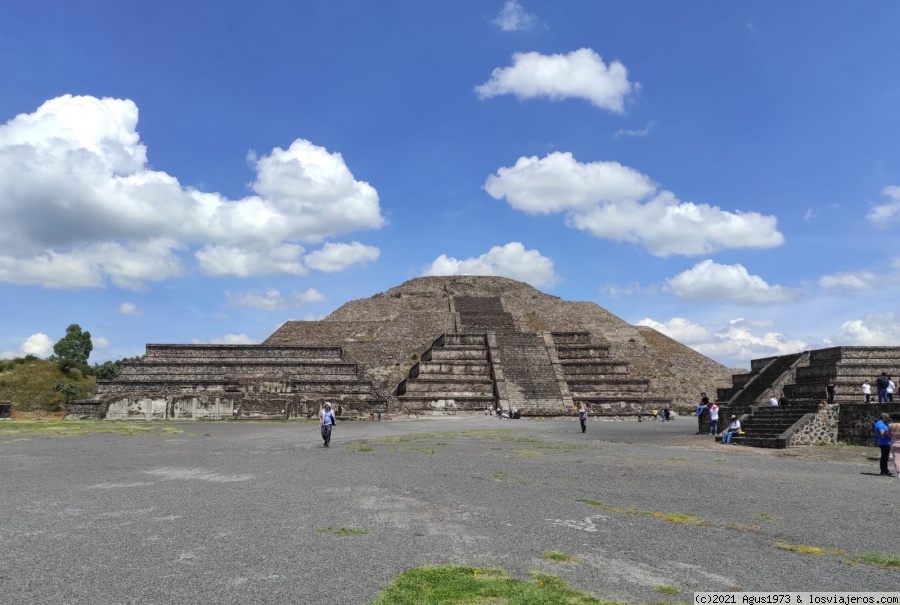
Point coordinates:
[[431, 345]]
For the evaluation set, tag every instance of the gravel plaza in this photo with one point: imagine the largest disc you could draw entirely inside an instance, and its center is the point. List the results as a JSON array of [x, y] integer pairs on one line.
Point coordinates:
[[260, 512]]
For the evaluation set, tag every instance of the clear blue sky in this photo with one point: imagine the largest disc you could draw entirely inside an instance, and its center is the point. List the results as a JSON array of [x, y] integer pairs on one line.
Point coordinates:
[[728, 173]]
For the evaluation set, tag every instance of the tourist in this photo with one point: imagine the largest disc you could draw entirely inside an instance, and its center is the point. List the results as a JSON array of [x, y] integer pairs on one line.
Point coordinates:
[[582, 417], [890, 390], [702, 411], [829, 390], [883, 437], [734, 428], [867, 391], [655, 414], [783, 399], [773, 401], [881, 385], [894, 430], [666, 414], [326, 422], [714, 419]]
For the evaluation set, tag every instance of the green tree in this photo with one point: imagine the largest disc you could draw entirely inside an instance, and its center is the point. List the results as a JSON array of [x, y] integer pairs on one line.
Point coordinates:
[[107, 371], [75, 345]]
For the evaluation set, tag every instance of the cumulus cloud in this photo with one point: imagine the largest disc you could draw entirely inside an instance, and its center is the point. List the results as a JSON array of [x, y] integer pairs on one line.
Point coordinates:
[[80, 205], [511, 260], [863, 280], [581, 74], [127, 308], [339, 257], [883, 215], [874, 329], [733, 283], [678, 328], [609, 200], [272, 299], [734, 344], [38, 344], [100, 342], [513, 18]]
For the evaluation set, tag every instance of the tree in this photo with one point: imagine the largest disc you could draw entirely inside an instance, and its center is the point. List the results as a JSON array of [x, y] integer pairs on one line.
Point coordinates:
[[75, 345], [107, 371]]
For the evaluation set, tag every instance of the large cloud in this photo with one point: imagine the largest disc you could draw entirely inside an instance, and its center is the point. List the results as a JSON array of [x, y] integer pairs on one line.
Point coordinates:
[[711, 281], [579, 74], [735, 344], [618, 203], [79, 204], [849, 282], [511, 260], [874, 329], [272, 299]]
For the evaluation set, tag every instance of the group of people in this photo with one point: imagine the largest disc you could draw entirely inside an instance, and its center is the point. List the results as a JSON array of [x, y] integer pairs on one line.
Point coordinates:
[[712, 411], [884, 387]]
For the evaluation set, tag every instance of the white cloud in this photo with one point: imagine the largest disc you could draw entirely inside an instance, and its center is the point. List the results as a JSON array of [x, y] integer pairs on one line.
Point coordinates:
[[883, 215], [735, 344], [875, 329], [618, 291], [339, 257], [272, 299], [511, 260], [38, 345], [100, 342], [642, 132], [580, 74], [513, 18], [618, 203], [228, 339], [711, 281], [80, 205], [862, 280], [127, 308], [680, 329], [810, 214]]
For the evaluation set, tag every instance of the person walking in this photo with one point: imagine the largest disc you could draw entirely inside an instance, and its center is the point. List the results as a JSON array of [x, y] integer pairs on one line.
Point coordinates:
[[714, 419], [894, 429], [582, 417], [867, 391], [890, 390], [326, 423], [883, 438]]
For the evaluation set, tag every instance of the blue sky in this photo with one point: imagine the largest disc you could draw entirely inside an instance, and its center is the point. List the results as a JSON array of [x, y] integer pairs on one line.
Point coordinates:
[[728, 173]]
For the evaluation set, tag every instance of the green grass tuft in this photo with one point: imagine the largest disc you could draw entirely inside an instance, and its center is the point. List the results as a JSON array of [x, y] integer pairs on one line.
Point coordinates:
[[874, 558], [664, 589], [558, 556], [470, 585]]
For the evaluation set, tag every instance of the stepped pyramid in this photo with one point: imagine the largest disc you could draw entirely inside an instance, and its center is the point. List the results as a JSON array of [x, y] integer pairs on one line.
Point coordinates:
[[468, 342], [430, 345]]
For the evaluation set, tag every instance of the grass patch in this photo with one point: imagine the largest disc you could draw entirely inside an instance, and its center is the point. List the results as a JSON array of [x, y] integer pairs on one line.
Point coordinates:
[[461, 584], [362, 446], [558, 556], [562, 446], [500, 476], [685, 518], [765, 517], [665, 589], [874, 558], [344, 531], [525, 453], [809, 550], [28, 384], [68, 428]]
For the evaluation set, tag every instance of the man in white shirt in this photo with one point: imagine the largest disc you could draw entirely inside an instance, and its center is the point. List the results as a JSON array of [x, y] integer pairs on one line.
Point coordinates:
[[867, 391], [890, 390], [773, 401], [733, 428]]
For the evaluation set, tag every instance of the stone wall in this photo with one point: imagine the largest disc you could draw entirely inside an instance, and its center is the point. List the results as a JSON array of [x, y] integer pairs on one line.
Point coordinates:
[[816, 429], [80, 409], [857, 421]]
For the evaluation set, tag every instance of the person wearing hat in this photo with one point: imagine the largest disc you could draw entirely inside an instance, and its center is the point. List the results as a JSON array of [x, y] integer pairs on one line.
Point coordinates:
[[883, 437], [733, 427], [326, 422]]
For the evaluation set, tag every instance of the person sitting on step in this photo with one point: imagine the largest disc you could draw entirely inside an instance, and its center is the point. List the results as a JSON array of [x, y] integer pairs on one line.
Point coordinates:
[[734, 428]]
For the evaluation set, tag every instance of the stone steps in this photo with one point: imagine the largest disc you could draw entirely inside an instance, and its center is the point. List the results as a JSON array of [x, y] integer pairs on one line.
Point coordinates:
[[593, 368], [173, 352], [582, 352]]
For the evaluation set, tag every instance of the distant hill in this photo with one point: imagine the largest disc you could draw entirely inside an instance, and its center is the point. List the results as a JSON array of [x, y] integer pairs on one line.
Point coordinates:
[[28, 384]]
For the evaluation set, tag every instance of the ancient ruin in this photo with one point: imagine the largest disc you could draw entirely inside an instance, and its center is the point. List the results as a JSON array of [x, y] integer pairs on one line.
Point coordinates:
[[806, 418], [431, 345]]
